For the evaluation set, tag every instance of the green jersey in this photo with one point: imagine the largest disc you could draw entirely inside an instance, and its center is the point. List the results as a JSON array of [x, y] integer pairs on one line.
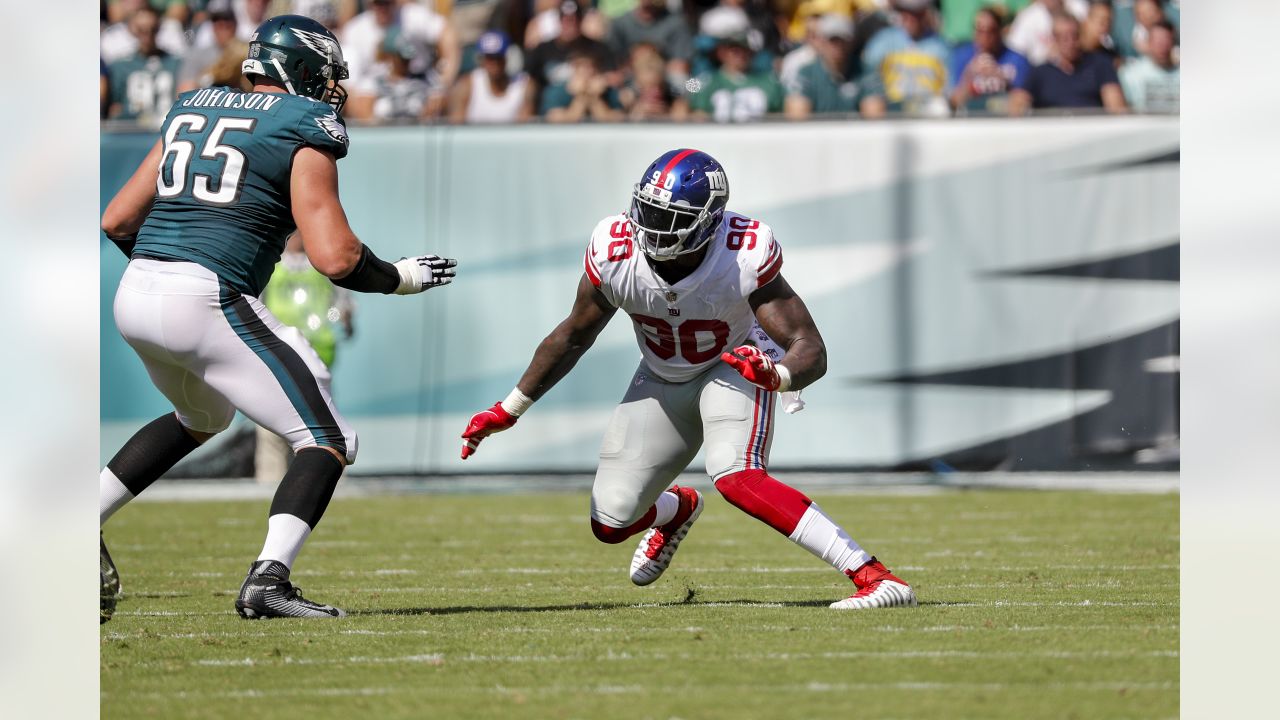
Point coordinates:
[[222, 195], [143, 86], [737, 98], [827, 93]]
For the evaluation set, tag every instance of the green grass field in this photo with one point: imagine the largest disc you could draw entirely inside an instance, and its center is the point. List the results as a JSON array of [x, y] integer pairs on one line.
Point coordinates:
[[1033, 604]]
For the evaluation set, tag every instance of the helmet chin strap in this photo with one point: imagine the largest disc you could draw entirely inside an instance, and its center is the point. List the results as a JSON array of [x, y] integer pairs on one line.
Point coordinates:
[[284, 76]]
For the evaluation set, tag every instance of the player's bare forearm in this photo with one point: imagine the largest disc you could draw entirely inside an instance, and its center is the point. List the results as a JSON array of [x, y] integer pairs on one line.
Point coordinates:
[[129, 208], [560, 351], [784, 316]]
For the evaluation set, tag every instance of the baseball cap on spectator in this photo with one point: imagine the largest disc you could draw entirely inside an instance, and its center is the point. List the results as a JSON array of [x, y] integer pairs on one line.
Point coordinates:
[[727, 24], [912, 5], [220, 10], [493, 42], [835, 26], [569, 7]]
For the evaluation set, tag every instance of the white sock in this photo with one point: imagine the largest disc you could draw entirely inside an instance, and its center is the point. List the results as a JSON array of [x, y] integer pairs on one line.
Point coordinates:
[[668, 503], [112, 495], [818, 534], [285, 536]]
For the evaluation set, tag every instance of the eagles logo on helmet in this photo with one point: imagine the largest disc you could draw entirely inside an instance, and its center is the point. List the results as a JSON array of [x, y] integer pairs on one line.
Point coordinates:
[[300, 54], [678, 203]]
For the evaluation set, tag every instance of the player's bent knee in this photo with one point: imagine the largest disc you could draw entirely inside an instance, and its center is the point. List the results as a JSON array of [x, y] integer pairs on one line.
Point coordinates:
[[722, 459], [200, 436], [610, 535]]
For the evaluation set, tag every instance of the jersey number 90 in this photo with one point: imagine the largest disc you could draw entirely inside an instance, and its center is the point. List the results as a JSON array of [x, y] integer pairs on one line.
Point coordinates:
[[176, 160]]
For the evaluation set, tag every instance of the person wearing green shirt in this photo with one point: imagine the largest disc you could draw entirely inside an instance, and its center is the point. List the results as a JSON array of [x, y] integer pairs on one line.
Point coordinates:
[[821, 87], [731, 94], [143, 84]]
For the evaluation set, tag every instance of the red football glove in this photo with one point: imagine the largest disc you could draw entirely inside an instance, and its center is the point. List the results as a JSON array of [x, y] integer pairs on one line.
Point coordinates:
[[754, 365], [482, 425]]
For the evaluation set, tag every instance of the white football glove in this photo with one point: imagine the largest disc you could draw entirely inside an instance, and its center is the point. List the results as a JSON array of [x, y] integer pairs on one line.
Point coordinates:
[[423, 273]]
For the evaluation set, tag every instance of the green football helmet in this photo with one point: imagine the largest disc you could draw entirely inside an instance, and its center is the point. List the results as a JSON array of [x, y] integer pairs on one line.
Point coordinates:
[[300, 54]]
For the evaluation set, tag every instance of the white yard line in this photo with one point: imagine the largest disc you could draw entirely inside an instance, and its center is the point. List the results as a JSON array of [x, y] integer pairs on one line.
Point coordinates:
[[627, 656], [607, 689]]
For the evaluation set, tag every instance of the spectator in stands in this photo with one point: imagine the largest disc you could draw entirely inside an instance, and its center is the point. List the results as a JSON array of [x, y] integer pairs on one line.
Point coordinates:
[[733, 93], [490, 94], [821, 86], [1151, 83], [118, 41], [142, 85], [586, 95], [544, 26], [548, 64], [650, 22], [436, 57], [249, 15], [1095, 31], [729, 17], [1134, 21], [201, 60], [1072, 78], [904, 67], [1031, 33], [985, 71], [802, 54], [394, 93], [647, 95]]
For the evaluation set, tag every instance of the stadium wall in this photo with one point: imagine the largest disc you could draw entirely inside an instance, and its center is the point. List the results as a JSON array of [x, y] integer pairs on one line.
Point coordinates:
[[993, 293]]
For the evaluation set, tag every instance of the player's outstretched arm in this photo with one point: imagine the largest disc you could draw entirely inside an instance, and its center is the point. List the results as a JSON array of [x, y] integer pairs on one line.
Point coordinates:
[[783, 315], [332, 247], [128, 209], [555, 357]]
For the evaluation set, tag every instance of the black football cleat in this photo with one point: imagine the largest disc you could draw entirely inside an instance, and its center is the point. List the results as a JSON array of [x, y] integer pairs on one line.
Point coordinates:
[[108, 583], [267, 593]]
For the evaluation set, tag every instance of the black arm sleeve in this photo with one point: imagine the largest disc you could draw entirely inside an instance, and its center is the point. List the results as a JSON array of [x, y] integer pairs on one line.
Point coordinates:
[[125, 243], [372, 275]]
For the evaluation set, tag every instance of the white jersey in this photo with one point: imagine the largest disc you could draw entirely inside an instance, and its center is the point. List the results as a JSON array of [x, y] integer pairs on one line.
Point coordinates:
[[485, 106], [682, 328]]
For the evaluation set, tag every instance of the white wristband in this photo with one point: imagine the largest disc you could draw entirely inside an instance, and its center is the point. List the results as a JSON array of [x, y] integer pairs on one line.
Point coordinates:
[[516, 403], [784, 377]]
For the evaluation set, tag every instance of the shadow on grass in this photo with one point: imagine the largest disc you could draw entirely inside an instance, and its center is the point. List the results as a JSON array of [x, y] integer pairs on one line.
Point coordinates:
[[588, 606]]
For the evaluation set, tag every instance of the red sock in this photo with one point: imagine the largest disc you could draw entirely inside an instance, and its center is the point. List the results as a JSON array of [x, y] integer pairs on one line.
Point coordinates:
[[613, 535], [755, 493]]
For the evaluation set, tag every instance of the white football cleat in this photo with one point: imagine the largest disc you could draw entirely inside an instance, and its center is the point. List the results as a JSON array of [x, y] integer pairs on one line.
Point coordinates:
[[882, 594], [653, 555], [877, 588]]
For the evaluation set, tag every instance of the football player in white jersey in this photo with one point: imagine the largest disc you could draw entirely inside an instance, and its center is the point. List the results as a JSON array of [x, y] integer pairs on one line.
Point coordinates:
[[695, 279]]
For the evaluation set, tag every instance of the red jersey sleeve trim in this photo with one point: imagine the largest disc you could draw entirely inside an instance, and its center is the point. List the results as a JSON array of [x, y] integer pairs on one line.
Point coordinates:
[[592, 274], [769, 270]]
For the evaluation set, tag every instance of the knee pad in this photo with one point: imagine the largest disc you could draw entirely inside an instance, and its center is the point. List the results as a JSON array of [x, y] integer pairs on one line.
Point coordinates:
[[616, 506]]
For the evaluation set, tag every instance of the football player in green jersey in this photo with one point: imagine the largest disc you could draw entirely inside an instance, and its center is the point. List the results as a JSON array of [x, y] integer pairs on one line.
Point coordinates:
[[204, 220]]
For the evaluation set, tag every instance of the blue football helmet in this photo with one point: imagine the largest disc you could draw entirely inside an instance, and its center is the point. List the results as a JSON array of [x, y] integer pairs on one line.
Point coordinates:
[[678, 203]]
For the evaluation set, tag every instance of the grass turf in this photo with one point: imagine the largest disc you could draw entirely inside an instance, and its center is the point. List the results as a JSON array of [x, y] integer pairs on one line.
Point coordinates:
[[1033, 604]]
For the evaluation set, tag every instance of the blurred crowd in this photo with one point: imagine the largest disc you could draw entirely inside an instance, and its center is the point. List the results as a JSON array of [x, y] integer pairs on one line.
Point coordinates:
[[558, 61]]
